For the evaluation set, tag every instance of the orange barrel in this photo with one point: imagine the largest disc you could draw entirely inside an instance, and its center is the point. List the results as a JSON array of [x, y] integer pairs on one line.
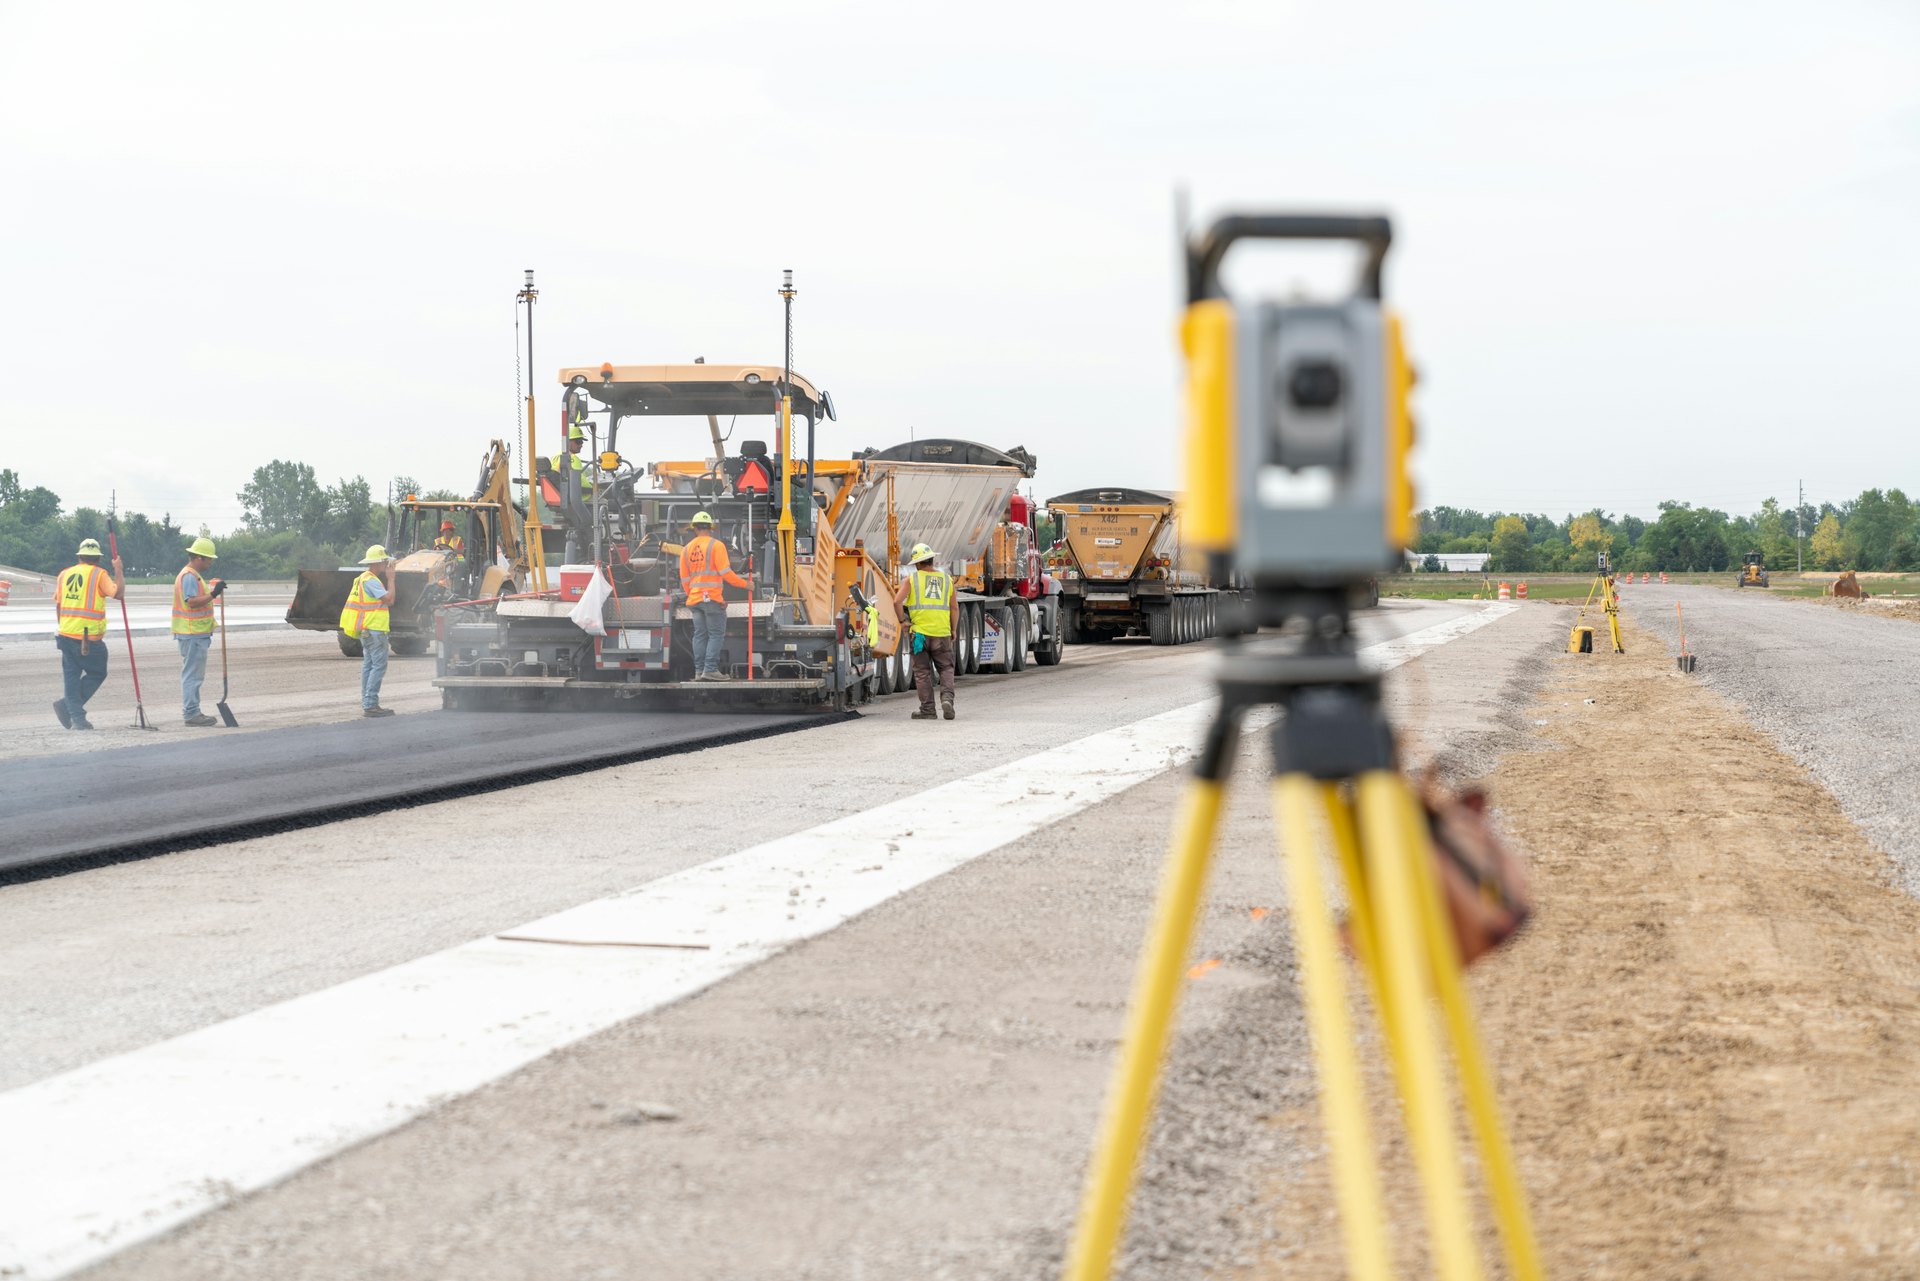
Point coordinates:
[[1523, 589], [1506, 591], [5, 589]]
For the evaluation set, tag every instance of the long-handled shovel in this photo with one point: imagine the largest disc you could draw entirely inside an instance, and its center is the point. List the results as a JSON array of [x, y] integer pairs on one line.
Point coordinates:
[[226, 713], [139, 708]]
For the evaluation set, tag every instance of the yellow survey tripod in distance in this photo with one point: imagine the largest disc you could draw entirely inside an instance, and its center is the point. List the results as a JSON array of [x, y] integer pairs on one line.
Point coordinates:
[[1581, 640], [1314, 395]]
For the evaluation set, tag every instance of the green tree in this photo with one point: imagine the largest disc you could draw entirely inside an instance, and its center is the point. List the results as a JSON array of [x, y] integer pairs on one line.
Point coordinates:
[[282, 496], [1510, 545], [1589, 536], [1827, 548]]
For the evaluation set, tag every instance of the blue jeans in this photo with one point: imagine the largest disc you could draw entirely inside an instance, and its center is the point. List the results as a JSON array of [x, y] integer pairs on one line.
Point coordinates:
[[373, 667], [709, 635], [82, 673], [193, 670]]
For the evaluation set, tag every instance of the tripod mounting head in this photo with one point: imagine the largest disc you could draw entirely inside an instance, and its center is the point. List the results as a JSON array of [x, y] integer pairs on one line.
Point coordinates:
[[1298, 422]]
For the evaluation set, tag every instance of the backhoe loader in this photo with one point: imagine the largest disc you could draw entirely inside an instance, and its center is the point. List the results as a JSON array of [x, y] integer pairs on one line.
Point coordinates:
[[489, 563]]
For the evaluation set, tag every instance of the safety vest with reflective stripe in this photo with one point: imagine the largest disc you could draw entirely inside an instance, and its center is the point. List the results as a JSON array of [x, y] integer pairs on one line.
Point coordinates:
[[929, 599], [363, 613], [80, 603], [453, 543], [188, 621], [704, 567], [560, 462]]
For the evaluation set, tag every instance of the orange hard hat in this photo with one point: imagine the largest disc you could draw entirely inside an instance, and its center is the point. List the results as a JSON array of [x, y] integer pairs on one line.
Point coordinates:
[[447, 523]]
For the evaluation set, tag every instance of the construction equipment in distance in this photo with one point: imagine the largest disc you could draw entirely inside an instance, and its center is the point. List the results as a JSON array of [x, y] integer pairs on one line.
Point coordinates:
[[1122, 572], [426, 577], [962, 499], [1753, 573], [801, 634]]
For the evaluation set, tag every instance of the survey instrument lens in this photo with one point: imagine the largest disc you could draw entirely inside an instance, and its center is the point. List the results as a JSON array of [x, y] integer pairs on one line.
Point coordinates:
[[1314, 385]]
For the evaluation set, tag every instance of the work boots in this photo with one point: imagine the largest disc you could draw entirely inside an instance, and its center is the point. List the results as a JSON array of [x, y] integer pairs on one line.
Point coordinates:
[[925, 714], [946, 706]]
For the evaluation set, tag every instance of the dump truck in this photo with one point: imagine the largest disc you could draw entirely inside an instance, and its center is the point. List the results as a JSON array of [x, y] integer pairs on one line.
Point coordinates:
[[1122, 572], [427, 576], [1753, 572], [962, 499]]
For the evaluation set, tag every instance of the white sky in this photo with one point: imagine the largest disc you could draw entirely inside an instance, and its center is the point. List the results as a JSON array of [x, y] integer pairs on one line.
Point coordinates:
[[1645, 250]]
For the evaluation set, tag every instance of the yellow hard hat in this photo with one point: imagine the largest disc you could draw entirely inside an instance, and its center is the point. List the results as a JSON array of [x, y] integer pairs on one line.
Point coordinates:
[[701, 518], [202, 547], [576, 432], [375, 554], [919, 553], [90, 547]]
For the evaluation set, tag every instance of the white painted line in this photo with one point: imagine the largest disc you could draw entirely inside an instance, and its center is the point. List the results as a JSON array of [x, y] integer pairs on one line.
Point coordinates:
[[96, 1159]]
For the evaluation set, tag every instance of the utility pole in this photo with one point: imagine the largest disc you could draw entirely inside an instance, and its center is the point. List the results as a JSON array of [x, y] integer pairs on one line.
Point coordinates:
[[1799, 551]]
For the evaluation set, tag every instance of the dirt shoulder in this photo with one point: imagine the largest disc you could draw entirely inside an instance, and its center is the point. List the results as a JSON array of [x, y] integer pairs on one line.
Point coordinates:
[[1709, 1040]]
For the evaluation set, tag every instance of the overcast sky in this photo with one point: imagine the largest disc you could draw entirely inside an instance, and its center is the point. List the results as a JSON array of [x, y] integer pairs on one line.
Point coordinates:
[[1645, 250]]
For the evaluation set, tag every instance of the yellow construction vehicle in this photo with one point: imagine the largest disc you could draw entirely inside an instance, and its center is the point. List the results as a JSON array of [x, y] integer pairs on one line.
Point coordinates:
[[489, 563], [1123, 573], [1753, 573]]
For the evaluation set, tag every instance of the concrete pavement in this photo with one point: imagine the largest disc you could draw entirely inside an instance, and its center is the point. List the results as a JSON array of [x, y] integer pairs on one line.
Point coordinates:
[[912, 1094]]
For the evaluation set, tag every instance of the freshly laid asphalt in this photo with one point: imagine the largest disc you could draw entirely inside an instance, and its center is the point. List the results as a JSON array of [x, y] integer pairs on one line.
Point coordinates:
[[134, 800]]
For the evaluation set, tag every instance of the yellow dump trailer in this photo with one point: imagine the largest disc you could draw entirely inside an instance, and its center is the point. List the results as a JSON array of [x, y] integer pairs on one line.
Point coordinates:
[[1123, 573]]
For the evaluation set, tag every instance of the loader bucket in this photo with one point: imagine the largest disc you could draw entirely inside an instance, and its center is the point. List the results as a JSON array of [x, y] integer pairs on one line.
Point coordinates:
[[318, 598]]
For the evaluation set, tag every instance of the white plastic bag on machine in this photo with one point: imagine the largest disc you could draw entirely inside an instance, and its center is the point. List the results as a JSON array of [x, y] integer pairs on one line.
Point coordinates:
[[593, 602]]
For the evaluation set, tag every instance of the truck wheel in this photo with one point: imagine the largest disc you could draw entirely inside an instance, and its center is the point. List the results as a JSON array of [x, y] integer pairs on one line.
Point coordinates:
[[409, 646], [884, 665], [1160, 624], [1049, 652], [1017, 660], [1067, 625], [349, 645], [966, 658]]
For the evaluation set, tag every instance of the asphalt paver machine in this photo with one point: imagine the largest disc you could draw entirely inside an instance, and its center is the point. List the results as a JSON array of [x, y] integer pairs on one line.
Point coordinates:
[[795, 637]]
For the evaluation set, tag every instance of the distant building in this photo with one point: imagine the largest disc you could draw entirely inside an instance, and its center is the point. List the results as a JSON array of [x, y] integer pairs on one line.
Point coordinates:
[[1453, 562]]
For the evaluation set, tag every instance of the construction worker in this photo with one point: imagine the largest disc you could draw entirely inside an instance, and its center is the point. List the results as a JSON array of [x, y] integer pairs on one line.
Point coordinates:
[[80, 613], [193, 597], [365, 618], [448, 540], [704, 569], [570, 463], [927, 595]]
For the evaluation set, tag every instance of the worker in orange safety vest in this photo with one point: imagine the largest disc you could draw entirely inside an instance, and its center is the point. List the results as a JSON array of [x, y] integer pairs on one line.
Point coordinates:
[[704, 570]]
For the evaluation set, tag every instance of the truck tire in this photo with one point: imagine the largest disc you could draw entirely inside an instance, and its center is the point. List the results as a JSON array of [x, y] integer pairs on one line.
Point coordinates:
[[1160, 624], [884, 665], [1017, 634], [903, 669], [1067, 624], [349, 645], [409, 646], [966, 659], [1049, 651]]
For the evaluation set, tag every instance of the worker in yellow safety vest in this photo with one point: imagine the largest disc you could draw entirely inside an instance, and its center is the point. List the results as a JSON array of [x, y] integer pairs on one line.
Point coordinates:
[[366, 620], [193, 597], [927, 595], [448, 540], [80, 597], [704, 571]]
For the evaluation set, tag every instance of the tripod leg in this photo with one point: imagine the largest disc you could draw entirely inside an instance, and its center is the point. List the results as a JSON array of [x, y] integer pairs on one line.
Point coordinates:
[[1323, 986], [1156, 992], [1404, 984], [1476, 1081]]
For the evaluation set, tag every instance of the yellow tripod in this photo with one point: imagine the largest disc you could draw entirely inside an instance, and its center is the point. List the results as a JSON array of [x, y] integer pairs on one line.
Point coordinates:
[[1581, 641], [1336, 776]]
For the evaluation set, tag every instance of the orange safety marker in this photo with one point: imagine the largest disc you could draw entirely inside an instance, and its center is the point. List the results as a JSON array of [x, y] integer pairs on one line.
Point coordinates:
[[1506, 591], [1523, 589]]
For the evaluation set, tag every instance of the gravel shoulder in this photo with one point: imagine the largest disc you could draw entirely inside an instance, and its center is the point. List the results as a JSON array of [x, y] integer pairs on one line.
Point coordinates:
[[1835, 688]]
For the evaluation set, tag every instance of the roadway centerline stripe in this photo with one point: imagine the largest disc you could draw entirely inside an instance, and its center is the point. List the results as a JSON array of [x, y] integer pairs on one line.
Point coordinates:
[[110, 1154]]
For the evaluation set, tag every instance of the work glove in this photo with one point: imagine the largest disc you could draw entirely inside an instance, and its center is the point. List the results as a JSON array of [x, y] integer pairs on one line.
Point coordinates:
[[219, 586]]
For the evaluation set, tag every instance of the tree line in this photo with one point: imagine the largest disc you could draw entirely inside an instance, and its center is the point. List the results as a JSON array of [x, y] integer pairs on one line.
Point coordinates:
[[289, 522], [1878, 530]]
